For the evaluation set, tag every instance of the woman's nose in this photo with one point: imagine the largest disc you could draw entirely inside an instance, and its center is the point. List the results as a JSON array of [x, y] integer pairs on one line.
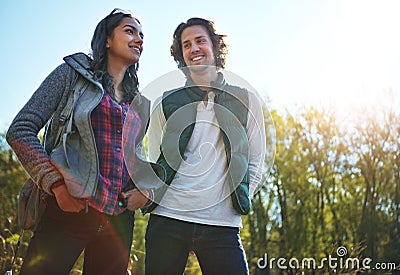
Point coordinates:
[[138, 39]]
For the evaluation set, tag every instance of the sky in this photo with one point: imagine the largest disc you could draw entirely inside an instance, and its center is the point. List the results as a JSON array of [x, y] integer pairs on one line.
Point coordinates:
[[343, 53]]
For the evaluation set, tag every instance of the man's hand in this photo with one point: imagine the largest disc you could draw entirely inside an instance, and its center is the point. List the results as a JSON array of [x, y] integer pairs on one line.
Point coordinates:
[[65, 201], [136, 199]]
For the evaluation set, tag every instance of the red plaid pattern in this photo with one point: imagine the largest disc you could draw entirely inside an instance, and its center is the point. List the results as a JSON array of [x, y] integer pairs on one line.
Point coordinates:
[[107, 122]]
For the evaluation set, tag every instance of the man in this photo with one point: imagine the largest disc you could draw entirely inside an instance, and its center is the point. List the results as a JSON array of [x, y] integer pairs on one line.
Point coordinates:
[[210, 138]]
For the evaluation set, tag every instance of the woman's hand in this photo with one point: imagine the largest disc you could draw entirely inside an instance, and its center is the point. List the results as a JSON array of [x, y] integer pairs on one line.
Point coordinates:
[[65, 201], [136, 199]]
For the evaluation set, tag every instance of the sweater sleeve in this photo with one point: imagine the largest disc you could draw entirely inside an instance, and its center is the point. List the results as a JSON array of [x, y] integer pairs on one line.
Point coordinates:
[[257, 142], [22, 134]]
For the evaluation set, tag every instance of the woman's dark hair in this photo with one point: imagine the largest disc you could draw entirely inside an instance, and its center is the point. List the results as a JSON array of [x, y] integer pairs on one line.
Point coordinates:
[[219, 45], [104, 29]]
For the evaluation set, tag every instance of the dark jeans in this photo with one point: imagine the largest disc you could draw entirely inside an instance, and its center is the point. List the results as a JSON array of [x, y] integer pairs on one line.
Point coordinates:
[[168, 243], [61, 237]]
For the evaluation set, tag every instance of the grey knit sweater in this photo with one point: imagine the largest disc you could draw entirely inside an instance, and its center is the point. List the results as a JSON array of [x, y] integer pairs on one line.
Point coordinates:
[[22, 134]]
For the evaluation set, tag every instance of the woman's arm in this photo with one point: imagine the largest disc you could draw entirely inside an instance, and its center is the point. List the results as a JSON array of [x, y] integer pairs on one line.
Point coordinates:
[[156, 128], [22, 134]]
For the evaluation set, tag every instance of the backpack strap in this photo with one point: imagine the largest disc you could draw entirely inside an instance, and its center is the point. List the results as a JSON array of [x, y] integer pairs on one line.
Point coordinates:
[[68, 112]]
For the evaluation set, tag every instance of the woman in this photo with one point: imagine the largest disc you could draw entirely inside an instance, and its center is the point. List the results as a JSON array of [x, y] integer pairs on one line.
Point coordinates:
[[94, 220]]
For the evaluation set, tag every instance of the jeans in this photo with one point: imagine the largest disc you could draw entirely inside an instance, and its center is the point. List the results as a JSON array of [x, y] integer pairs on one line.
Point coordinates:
[[61, 237], [168, 242]]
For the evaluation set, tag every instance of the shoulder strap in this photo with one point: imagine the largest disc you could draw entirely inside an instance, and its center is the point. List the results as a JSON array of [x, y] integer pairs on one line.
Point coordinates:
[[78, 85], [68, 112]]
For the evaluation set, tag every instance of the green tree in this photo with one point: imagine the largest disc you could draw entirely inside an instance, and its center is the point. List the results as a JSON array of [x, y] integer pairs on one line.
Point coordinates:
[[12, 177], [375, 144]]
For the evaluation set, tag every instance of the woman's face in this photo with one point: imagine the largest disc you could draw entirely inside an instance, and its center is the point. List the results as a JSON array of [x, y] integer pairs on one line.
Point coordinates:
[[125, 45]]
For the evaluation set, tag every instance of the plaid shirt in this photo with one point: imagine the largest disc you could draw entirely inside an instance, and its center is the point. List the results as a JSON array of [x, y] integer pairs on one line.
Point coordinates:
[[107, 121]]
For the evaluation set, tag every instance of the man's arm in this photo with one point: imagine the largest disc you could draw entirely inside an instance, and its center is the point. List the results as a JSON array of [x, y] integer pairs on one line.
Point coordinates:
[[257, 142]]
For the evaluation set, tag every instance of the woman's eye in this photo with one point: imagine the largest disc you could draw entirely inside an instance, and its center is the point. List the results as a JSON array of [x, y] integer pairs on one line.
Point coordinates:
[[129, 31]]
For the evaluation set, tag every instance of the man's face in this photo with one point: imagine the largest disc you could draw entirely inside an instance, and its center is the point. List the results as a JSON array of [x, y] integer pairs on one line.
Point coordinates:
[[197, 47]]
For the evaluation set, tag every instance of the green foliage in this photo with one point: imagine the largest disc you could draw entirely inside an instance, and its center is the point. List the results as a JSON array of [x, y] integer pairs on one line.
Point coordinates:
[[332, 185], [12, 176]]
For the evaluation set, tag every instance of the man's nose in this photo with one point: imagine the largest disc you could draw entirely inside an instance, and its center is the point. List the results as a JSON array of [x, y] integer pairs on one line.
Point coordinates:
[[195, 47]]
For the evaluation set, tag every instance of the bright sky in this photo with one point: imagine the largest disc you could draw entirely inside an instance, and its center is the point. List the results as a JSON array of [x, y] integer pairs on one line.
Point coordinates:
[[293, 52]]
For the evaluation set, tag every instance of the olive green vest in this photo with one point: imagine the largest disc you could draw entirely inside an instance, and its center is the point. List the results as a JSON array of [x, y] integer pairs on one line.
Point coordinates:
[[231, 110]]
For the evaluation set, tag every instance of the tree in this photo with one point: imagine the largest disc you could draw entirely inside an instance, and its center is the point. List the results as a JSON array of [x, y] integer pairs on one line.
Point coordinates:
[[12, 176]]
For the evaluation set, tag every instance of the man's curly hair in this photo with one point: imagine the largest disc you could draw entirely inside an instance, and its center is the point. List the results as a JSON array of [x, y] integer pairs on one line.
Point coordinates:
[[219, 45]]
